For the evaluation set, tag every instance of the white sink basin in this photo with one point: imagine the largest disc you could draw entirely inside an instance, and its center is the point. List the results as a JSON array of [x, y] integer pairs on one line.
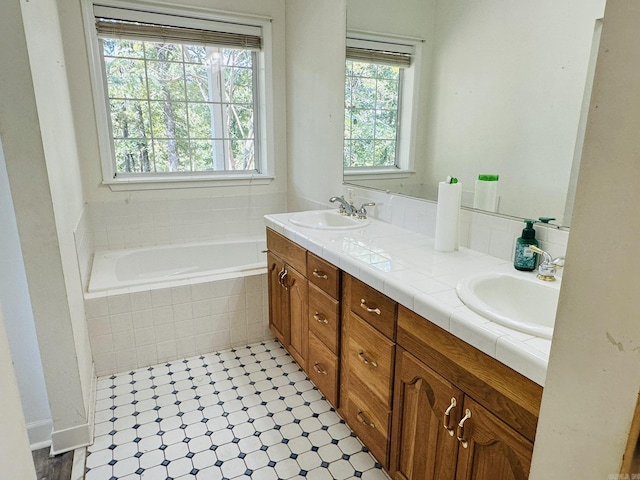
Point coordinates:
[[327, 220], [522, 303]]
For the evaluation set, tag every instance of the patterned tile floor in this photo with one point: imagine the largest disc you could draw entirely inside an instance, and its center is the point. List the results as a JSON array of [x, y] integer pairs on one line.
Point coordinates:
[[242, 413]]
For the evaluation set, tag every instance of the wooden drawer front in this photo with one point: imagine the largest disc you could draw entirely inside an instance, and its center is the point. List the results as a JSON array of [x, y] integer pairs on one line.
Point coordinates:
[[290, 252], [370, 421], [323, 369], [376, 308], [369, 356], [323, 274], [324, 313]]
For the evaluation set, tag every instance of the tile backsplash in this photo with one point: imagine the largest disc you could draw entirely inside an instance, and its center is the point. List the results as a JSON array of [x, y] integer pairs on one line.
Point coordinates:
[[491, 234]]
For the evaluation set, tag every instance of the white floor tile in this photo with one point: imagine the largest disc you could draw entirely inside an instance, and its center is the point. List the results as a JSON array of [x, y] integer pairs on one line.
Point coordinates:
[[248, 412]]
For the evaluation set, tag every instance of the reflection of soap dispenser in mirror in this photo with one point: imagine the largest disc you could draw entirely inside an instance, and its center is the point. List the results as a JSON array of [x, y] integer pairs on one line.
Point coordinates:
[[525, 258]]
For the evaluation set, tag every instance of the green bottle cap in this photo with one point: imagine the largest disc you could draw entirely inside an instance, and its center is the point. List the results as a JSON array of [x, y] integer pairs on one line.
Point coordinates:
[[546, 219], [488, 178]]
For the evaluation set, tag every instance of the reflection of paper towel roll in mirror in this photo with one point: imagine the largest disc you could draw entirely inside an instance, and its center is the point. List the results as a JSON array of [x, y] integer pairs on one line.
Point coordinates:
[[447, 216], [486, 193]]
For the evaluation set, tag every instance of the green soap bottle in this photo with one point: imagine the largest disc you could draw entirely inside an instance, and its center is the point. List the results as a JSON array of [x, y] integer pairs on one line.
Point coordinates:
[[524, 259]]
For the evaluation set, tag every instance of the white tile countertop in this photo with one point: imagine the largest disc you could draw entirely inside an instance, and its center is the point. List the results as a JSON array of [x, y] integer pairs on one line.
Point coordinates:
[[404, 266]]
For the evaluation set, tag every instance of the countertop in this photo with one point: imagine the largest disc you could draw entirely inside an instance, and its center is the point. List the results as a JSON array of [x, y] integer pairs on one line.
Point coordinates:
[[404, 266]]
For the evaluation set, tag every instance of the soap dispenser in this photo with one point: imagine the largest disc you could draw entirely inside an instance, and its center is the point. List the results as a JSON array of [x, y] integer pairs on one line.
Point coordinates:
[[525, 258]]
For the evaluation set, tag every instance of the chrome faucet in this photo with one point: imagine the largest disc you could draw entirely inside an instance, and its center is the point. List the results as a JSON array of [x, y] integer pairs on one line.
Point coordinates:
[[548, 266], [345, 208]]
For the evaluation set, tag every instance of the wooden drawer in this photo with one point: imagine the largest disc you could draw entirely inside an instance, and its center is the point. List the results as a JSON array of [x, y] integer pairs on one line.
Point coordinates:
[[290, 252], [376, 308], [369, 357], [324, 314], [370, 421], [323, 369], [323, 274]]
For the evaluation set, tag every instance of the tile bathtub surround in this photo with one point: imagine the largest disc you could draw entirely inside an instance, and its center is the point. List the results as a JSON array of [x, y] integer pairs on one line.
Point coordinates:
[[132, 224], [139, 329], [248, 412]]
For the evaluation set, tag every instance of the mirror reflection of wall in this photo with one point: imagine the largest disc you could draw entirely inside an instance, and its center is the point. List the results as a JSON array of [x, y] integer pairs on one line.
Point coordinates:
[[501, 90]]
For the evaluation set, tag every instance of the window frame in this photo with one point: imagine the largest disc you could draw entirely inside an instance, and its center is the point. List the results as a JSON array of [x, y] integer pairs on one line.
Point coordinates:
[[264, 139], [408, 112]]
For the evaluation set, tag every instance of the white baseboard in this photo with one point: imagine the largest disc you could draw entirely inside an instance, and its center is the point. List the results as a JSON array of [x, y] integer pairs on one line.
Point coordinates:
[[40, 434], [81, 435]]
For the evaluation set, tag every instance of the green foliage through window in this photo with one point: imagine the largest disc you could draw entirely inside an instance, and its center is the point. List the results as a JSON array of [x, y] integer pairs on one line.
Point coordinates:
[[180, 108], [372, 99]]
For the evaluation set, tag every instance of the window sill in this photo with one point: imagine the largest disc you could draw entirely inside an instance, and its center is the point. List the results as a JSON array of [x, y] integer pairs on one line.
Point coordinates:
[[377, 174], [162, 183]]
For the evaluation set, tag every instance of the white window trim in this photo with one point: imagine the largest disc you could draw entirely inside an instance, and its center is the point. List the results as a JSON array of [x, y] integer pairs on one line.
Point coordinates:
[[265, 110], [405, 166]]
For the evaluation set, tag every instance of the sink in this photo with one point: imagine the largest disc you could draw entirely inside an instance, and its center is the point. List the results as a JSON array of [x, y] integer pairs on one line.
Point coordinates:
[[522, 303], [327, 220]]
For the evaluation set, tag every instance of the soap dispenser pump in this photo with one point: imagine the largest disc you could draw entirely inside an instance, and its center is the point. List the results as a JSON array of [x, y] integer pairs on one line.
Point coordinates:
[[525, 258]]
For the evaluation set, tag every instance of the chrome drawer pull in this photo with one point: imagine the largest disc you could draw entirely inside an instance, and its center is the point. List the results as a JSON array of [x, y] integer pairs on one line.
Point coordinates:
[[317, 368], [363, 304], [460, 433], [319, 274], [319, 318], [367, 361], [362, 419], [447, 417]]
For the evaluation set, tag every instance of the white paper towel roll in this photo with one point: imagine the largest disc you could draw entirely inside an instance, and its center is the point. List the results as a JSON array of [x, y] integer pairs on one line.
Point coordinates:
[[447, 216]]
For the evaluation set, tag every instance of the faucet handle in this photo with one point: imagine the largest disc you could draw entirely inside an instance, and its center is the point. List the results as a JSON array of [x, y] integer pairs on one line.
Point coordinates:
[[362, 212]]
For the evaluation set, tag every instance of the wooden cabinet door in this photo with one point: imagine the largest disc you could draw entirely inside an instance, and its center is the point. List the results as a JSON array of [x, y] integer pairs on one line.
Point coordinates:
[[422, 448], [278, 299], [296, 285], [493, 449]]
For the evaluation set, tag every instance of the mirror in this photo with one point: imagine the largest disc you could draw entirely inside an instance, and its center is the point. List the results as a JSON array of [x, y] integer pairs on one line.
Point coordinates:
[[504, 88]]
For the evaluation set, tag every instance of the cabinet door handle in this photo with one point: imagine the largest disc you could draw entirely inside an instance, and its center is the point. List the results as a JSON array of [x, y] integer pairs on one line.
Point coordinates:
[[367, 361], [316, 367], [320, 318], [319, 274], [280, 277], [447, 416], [283, 278], [460, 433], [363, 304], [364, 420]]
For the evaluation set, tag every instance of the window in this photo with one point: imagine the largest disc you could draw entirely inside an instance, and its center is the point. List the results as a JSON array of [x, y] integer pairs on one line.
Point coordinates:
[[180, 97], [372, 101], [380, 83]]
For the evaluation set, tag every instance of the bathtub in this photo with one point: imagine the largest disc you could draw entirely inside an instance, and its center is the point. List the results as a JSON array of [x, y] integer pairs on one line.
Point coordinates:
[[150, 305], [150, 266]]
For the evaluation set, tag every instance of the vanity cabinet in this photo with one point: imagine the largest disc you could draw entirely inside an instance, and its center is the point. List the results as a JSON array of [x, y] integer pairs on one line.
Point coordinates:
[[304, 310], [458, 413], [288, 295], [426, 404], [367, 362]]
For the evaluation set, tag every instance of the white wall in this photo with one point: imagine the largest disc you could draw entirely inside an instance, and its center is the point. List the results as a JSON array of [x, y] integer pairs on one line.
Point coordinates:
[[16, 306], [36, 164], [315, 100], [15, 455], [594, 373]]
